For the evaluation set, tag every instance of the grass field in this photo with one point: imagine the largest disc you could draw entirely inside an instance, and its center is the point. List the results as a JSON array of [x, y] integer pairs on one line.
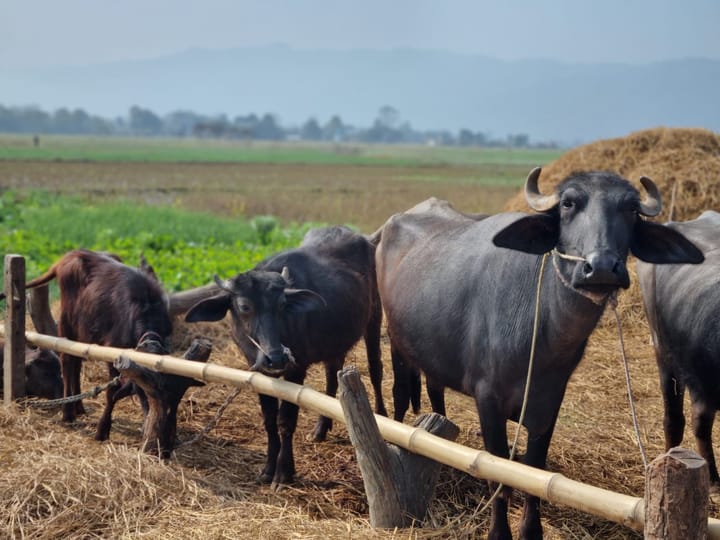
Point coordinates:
[[357, 185], [70, 148]]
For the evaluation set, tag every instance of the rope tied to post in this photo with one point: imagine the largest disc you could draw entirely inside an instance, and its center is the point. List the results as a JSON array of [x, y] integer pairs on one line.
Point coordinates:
[[49, 403]]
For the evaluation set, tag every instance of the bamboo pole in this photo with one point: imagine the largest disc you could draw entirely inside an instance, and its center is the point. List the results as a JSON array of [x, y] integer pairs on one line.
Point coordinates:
[[553, 487]]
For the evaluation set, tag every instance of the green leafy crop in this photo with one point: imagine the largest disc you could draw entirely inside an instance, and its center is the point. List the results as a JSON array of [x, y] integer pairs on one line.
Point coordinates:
[[185, 248]]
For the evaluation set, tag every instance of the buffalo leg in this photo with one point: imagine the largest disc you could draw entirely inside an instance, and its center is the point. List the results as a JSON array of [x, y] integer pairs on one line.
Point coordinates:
[[111, 397], [324, 424], [535, 456], [702, 422], [494, 432], [673, 392], [406, 384], [79, 407], [436, 393], [269, 406], [287, 422], [374, 356]]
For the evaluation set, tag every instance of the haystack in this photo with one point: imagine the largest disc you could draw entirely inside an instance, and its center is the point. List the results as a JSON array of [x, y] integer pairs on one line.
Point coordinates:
[[679, 160]]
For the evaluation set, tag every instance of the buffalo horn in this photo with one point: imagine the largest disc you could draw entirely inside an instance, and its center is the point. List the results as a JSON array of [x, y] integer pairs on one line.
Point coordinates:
[[651, 204], [224, 285], [285, 274], [536, 200]]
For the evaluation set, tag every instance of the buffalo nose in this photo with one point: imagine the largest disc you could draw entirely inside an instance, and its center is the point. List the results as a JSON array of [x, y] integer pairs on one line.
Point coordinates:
[[273, 363], [604, 268]]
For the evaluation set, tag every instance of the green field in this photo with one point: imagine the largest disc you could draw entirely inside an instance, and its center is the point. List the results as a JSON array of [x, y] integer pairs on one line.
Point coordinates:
[[70, 148], [199, 207]]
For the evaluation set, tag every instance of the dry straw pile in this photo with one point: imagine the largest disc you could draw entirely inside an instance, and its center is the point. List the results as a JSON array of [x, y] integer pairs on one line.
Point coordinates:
[[681, 161], [56, 482]]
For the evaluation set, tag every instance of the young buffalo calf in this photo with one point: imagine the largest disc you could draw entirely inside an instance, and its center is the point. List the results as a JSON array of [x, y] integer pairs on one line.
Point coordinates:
[[296, 308], [105, 302], [42, 372]]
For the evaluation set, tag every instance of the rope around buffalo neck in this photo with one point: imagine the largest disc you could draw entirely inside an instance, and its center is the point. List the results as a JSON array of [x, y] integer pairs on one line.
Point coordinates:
[[521, 418], [612, 300]]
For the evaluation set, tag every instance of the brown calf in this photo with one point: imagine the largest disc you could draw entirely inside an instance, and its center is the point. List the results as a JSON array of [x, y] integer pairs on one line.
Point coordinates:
[[105, 302]]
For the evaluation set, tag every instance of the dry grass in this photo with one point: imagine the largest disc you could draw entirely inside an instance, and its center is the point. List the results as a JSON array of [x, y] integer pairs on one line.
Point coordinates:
[[684, 160], [364, 196], [56, 482]]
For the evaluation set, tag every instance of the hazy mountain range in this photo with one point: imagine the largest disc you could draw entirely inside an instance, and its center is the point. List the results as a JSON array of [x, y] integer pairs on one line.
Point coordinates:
[[546, 99]]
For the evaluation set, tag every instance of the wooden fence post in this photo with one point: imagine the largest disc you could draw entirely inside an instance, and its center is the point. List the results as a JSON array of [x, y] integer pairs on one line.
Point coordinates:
[[398, 484], [676, 496], [14, 361]]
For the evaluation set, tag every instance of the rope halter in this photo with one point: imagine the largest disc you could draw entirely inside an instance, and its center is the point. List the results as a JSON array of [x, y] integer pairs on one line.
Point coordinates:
[[596, 298]]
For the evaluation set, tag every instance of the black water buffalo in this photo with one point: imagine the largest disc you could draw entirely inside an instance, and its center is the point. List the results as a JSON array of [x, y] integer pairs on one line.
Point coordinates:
[[682, 304], [42, 372], [460, 308], [298, 307]]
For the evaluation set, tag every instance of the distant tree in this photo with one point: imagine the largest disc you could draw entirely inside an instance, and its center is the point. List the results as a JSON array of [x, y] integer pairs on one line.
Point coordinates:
[[518, 140], [386, 128], [268, 129], [180, 123], [388, 117], [311, 130], [481, 139], [466, 137], [8, 120], [246, 125], [144, 121], [334, 130]]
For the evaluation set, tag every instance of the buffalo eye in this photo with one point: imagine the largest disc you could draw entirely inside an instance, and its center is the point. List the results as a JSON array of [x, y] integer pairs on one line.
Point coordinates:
[[244, 307], [568, 203]]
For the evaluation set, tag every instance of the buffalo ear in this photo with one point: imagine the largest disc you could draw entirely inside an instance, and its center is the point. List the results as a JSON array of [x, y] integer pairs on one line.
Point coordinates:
[[536, 234], [210, 309], [302, 300], [658, 244]]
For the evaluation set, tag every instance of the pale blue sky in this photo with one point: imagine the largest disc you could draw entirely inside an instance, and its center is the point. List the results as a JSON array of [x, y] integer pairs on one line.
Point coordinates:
[[52, 32]]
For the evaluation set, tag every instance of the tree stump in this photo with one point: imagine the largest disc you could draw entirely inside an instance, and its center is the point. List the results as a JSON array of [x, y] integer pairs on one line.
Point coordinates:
[[164, 392], [398, 484], [676, 496], [38, 306]]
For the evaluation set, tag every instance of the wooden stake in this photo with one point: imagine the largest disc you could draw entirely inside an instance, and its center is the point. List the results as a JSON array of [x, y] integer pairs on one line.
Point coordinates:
[[14, 362], [398, 484], [676, 496], [38, 306]]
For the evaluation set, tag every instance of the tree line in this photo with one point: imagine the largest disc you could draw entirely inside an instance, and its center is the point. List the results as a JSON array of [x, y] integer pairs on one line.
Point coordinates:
[[388, 127]]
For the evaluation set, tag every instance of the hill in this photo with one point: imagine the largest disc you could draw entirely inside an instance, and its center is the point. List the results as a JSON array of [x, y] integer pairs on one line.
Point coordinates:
[[545, 99]]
